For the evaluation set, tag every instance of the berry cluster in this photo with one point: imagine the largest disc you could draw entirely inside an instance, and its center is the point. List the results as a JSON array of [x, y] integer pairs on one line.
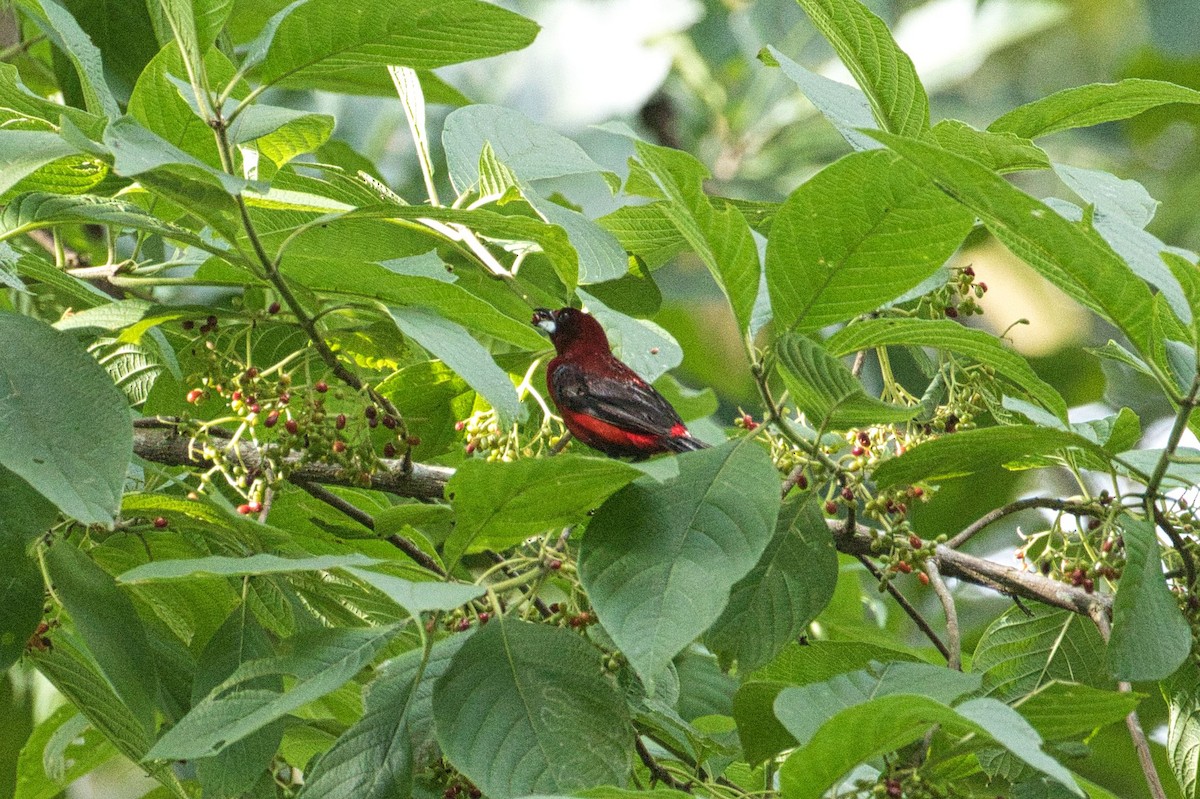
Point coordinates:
[[484, 437], [1080, 547]]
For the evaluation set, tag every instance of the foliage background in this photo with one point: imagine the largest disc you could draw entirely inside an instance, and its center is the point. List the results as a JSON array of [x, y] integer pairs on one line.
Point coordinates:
[[698, 86]]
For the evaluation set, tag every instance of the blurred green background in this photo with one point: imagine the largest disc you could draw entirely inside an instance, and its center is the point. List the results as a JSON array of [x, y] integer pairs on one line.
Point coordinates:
[[684, 73]]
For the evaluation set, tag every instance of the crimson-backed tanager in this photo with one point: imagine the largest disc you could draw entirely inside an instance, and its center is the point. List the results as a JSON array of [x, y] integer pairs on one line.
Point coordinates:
[[603, 402]]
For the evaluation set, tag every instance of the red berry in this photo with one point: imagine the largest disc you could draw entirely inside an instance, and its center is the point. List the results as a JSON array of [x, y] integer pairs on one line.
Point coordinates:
[[161, 522], [1107, 545], [340, 421], [271, 419], [904, 566], [237, 395], [848, 494], [244, 509], [831, 507], [321, 386], [856, 451], [370, 411], [211, 321], [463, 625], [483, 617], [459, 425], [1077, 577], [188, 324], [389, 450], [1094, 524], [292, 426], [951, 312], [284, 398], [654, 350], [894, 789], [373, 422], [195, 395], [969, 271], [915, 541], [255, 506], [924, 578], [252, 373], [802, 482], [982, 286], [389, 422], [273, 308], [917, 492], [554, 565], [339, 446], [255, 407], [863, 439], [1089, 585], [474, 793], [413, 441]]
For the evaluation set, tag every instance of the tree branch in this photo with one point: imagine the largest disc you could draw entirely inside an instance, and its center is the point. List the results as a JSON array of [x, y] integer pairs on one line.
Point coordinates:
[[1049, 503], [952, 631], [903, 602], [161, 441]]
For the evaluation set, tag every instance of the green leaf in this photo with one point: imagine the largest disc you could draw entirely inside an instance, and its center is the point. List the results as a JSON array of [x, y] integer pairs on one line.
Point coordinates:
[[1182, 694], [791, 583], [952, 337], [24, 151], [1063, 252], [320, 662], [106, 620], [645, 231], [1059, 710], [17, 103], [62, 748], [405, 669], [76, 677], [882, 70], [498, 505], [373, 759], [525, 708], [137, 150], [600, 254], [970, 451], [658, 559], [238, 567], [419, 597], [1150, 636], [1020, 652], [713, 229], [62, 29], [1093, 104], [239, 766], [862, 231], [21, 592], [825, 390], [64, 427], [882, 725], [324, 37], [26, 212], [846, 107], [451, 343], [1002, 152], [533, 151]]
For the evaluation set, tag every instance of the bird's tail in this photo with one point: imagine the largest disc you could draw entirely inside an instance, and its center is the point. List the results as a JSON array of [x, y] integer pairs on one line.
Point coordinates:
[[685, 443]]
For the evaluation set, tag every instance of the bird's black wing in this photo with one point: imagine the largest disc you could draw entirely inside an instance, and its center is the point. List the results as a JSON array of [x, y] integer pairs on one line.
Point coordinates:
[[620, 398]]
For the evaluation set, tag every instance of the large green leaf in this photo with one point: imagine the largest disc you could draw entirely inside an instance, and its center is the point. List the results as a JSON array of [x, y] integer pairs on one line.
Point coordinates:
[[825, 390], [321, 38], [64, 31], [1022, 651], [27, 515], [320, 662], [17, 103], [525, 708], [24, 151], [64, 427], [791, 583], [238, 767], [1150, 636], [846, 107], [970, 451], [862, 231], [883, 71], [1093, 104], [1059, 710], [451, 343], [658, 559], [137, 150], [881, 725], [237, 567], [944, 334], [106, 620], [712, 228], [1065, 253], [1002, 152], [497, 505], [1182, 693]]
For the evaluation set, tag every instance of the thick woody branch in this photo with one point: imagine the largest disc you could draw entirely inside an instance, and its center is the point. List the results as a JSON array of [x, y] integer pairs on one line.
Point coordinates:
[[166, 445]]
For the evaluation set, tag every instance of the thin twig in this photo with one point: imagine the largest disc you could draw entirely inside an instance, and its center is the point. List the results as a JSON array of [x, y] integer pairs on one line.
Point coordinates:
[[1186, 406], [954, 638], [657, 772], [1177, 540], [541, 606], [1140, 744], [901, 600], [1049, 503], [367, 520], [792, 480]]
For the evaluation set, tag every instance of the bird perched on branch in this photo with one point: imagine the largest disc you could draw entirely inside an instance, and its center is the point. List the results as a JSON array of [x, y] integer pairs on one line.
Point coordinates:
[[603, 402]]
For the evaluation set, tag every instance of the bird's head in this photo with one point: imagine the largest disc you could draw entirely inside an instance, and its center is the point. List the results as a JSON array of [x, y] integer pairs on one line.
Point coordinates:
[[571, 329]]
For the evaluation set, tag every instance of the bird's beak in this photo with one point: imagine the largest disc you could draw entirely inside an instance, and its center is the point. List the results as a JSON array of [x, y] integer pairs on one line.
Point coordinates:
[[544, 318]]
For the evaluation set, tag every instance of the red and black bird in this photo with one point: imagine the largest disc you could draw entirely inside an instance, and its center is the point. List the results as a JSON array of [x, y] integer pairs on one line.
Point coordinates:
[[603, 402]]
